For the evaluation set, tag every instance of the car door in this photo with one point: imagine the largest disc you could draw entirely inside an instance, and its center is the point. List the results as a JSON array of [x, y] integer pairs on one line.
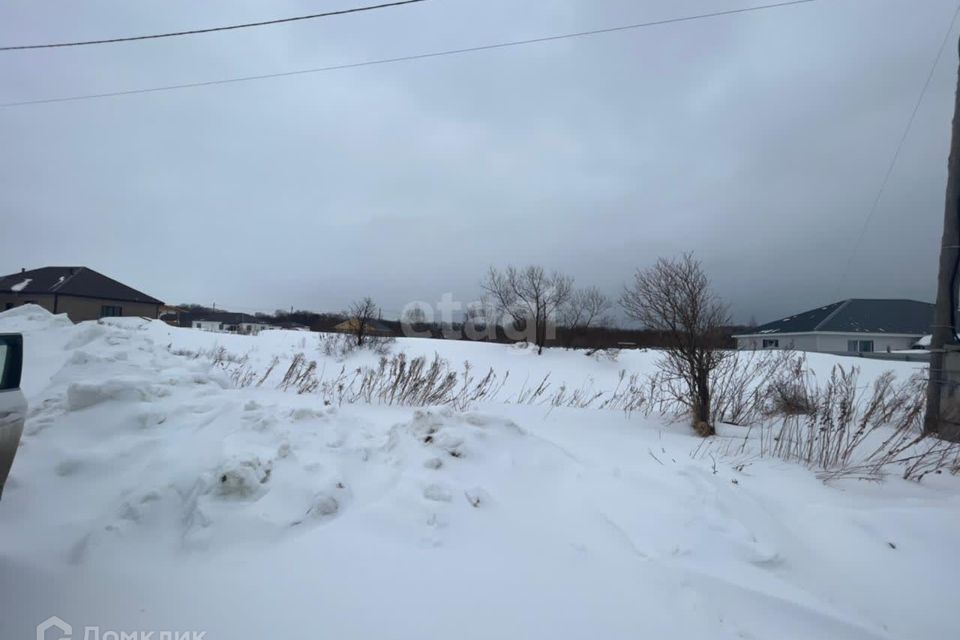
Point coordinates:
[[13, 406]]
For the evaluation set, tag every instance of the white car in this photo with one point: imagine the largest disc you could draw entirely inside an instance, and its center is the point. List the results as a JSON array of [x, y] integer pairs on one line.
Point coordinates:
[[13, 406]]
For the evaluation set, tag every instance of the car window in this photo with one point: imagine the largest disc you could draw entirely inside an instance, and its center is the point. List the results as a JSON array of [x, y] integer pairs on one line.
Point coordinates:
[[11, 353]]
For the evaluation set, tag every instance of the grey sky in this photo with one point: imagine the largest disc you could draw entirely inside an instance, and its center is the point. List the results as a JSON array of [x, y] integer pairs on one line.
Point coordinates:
[[758, 141]]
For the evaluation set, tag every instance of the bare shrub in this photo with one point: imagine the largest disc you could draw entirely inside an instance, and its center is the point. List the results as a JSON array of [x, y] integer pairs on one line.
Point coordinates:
[[340, 346], [849, 430], [674, 297], [380, 345], [361, 315], [632, 393], [742, 383], [790, 398], [336, 345]]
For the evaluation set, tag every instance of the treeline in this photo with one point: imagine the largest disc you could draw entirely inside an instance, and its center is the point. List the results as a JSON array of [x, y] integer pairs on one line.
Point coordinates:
[[598, 337]]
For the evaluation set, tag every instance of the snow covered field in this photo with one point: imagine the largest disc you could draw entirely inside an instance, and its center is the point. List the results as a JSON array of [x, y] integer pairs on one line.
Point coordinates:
[[152, 494]]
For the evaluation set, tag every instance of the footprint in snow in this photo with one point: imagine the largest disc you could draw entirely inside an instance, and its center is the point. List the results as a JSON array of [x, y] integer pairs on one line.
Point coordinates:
[[437, 493]]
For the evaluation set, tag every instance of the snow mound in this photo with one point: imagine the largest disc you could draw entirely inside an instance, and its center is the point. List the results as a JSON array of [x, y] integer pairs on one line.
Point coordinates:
[[81, 395], [242, 478], [86, 333], [454, 434], [31, 317]]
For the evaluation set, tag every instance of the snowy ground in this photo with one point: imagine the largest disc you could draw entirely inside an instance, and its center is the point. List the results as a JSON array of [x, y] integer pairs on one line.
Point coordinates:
[[149, 494]]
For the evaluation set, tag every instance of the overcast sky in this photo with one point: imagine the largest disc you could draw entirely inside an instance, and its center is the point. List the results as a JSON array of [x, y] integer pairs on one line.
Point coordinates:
[[757, 141]]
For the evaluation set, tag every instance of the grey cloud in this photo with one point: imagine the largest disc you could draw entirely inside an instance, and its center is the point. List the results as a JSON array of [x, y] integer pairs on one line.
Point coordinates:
[[757, 141]]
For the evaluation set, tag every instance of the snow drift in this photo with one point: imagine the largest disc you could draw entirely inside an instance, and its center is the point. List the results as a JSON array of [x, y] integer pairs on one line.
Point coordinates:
[[151, 492]]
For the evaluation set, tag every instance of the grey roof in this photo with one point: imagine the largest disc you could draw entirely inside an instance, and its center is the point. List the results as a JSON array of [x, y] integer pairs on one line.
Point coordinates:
[[71, 281], [801, 322], [857, 315]]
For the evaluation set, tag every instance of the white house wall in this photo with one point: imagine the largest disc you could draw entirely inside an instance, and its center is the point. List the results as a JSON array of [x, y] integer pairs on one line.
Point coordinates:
[[800, 343], [837, 343], [828, 342]]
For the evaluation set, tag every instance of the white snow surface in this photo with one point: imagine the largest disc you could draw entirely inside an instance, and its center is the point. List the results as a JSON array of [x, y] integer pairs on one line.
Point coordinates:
[[151, 494]]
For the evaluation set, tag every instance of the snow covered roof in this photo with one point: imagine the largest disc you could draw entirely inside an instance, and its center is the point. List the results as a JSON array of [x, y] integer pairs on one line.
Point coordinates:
[[73, 281], [857, 315]]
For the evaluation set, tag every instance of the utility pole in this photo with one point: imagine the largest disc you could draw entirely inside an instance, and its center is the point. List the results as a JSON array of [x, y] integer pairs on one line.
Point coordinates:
[[943, 387]]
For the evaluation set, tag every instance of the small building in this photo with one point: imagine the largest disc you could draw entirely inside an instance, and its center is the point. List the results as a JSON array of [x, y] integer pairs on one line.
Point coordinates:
[[79, 292], [857, 325], [373, 328], [230, 322], [208, 324]]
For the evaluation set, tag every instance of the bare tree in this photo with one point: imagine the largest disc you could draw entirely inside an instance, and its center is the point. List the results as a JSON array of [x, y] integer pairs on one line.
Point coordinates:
[[585, 308], [674, 297], [529, 296], [414, 314], [361, 315]]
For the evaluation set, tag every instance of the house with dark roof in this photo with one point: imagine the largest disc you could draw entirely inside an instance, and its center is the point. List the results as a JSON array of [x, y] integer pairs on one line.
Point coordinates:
[[79, 292], [857, 325]]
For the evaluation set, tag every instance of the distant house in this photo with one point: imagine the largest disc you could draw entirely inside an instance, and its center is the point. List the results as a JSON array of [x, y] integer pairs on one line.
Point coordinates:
[[172, 315], [79, 292], [230, 322], [856, 325], [374, 327]]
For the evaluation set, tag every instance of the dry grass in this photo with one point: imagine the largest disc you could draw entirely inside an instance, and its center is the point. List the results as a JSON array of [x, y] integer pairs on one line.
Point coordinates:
[[342, 345], [395, 380], [850, 430], [836, 426]]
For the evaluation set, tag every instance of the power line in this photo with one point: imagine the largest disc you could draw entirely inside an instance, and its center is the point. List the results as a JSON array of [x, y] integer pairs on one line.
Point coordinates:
[[896, 153], [420, 56], [211, 29]]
